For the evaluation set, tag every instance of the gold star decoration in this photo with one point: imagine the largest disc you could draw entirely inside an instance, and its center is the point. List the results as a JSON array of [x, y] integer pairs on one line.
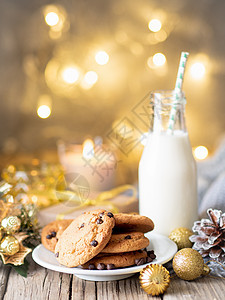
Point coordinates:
[[18, 258]]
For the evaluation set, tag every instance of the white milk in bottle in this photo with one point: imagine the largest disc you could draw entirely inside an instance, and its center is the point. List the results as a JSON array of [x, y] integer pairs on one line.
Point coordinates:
[[167, 169]]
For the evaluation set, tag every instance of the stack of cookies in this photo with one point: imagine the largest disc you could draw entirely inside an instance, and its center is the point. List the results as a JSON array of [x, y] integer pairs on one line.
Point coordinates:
[[100, 240]]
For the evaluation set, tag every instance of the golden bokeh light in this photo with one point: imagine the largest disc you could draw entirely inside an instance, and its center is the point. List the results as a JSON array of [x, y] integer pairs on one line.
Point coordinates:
[[43, 111], [54, 35], [197, 70], [51, 18], [90, 78], [159, 59], [70, 75], [56, 18], [161, 36], [101, 57], [155, 25], [200, 152]]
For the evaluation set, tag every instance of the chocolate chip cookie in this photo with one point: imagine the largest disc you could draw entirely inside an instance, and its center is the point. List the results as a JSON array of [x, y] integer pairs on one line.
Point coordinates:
[[125, 242], [51, 233], [132, 222], [84, 238], [114, 261]]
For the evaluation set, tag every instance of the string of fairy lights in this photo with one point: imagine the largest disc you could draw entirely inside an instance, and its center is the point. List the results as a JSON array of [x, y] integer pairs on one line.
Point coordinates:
[[72, 76]]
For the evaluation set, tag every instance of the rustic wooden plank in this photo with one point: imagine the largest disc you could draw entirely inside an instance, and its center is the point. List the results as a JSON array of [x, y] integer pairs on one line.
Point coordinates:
[[4, 275], [127, 289], [46, 284], [83, 289], [40, 282], [201, 288]]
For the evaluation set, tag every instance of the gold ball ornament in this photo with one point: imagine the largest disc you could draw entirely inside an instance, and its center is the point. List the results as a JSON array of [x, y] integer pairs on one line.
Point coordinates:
[[181, 237], [154, 279], [11, 224], [188, 264], [9, 245]]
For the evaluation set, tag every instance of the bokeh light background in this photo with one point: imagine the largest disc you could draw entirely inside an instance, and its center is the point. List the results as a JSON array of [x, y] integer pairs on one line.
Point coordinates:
[[71, 69]]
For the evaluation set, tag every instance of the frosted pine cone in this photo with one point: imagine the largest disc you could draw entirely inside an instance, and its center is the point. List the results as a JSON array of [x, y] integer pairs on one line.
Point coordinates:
[[210, 237]]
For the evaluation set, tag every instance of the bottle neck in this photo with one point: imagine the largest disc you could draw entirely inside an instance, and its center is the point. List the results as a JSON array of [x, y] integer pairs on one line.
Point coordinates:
[[162, 103]]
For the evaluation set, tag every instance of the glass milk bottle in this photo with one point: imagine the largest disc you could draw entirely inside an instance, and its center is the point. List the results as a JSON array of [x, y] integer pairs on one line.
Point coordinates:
[[167, 169]]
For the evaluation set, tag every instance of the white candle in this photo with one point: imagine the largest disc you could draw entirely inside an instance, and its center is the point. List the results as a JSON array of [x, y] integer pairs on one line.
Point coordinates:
[[96, 164]]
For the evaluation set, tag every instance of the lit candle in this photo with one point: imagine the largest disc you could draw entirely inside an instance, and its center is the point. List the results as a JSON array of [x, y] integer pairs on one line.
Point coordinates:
[[95, 163]]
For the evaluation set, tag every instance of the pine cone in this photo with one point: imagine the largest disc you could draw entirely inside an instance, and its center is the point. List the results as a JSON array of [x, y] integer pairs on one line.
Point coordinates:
[[210, 237]]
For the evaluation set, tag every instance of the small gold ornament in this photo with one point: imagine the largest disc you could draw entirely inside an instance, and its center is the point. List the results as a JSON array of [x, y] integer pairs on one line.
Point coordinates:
[[181, 237], [11, 224], [154, 279], [18, 258], [9, 245], [188, 264]]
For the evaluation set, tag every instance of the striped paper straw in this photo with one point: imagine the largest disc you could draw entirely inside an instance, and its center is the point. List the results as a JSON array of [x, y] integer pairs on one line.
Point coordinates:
[[178, 88]]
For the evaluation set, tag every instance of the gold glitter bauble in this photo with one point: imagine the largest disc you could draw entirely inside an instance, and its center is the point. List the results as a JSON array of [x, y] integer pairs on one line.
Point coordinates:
[[9, 245], [181, 237], [154, 279], [188, 264], [11, 224]]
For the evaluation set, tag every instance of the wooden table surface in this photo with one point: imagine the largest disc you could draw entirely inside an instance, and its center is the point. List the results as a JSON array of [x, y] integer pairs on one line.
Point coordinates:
[[44, 284]]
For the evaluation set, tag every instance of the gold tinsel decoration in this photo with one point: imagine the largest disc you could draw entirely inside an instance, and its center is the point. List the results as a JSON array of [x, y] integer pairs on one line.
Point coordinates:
[[181, 237], [154, 279], [188, 264]]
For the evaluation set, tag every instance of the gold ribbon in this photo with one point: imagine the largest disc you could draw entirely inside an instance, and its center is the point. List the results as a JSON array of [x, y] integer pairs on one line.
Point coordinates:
[[51, 197], [101, 199]]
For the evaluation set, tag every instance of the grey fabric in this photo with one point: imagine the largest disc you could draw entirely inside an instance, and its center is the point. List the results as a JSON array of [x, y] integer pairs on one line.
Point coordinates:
[[211, 182]]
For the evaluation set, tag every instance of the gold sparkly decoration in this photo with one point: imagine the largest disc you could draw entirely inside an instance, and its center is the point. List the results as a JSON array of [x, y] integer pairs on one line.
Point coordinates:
[[188, 264], [154, 279], [4, 209], [11, 224], [181, 237], [9, 245], [18, 258], [206, 270]]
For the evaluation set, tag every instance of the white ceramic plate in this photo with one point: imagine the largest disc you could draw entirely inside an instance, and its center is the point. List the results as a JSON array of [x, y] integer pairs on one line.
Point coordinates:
[[163, 247]]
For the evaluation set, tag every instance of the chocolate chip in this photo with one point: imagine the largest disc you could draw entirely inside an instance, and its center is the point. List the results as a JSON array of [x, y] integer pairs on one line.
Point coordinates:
[[53, 233], [99, 221], [140, 261], [110, 266], [57, 254], [127, 237], [101, 215], [148, 259], [82, 225], [94, 243], [49, 236], [101, 266], [153, 256], [91, 267], [109, 214]]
